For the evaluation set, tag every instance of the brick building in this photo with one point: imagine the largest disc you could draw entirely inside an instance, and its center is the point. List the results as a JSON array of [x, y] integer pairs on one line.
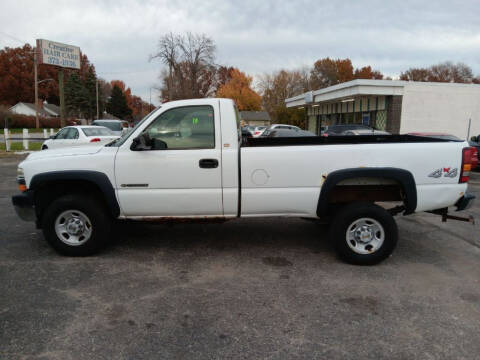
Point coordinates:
[[394, 106]]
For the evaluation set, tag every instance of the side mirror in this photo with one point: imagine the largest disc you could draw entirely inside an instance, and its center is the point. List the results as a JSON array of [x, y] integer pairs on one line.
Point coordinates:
[[474, 138], [141, 143], [145, 142]]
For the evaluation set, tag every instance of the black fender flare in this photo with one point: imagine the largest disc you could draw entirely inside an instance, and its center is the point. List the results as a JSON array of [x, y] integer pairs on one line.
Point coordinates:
[[403, 177], [97, 178]]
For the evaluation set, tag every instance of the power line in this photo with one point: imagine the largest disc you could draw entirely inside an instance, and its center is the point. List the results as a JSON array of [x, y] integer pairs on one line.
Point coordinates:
[[14, 38]]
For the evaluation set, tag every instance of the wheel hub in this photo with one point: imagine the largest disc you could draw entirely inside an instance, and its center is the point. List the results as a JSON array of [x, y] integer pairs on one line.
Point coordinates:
[[364, 234], [75, 226]]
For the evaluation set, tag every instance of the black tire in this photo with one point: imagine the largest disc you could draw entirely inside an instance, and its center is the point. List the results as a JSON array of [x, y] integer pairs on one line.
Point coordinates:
[[343, 221], [44, 147], [97, 215]]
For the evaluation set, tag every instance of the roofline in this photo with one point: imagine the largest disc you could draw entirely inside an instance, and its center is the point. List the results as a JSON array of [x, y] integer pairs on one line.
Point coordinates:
[[361, 87]]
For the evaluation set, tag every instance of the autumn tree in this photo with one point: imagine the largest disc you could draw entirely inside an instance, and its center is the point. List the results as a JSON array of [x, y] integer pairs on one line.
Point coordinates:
[[277, 87], [366, 72], [17, 79], [239, 89], [442, 72], [190, 69]]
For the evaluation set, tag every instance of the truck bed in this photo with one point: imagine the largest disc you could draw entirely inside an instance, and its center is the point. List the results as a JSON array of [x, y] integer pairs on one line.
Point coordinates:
[[332, 140]]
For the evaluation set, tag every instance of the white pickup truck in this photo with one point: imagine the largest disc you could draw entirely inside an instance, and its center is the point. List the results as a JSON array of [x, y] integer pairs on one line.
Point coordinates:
[[186, 160]]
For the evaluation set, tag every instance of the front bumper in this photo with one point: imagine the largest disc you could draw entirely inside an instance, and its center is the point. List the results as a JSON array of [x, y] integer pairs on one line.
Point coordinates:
[[465, 202], [24, 205]]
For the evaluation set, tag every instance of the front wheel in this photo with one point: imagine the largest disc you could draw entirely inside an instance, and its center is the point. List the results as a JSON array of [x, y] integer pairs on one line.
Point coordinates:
[[76, 225], [363, 233]]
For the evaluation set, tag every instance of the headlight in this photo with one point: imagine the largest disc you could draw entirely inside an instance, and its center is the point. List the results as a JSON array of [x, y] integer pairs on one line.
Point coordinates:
[[21, 179], [20, 174]]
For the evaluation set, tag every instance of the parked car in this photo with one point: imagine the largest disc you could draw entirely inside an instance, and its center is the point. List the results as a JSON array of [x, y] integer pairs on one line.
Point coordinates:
[[283, 126], [206, 174], [365, 132], [340, 129], [118, 127], [286, 133], [79, 135], [258, 131]]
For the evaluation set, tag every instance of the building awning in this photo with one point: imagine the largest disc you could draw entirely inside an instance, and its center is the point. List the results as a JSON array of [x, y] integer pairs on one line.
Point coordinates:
[[347, 90]]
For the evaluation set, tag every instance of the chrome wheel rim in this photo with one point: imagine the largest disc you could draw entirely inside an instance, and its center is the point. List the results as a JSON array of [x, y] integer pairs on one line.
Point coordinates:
[[73, 227], [365, 236]]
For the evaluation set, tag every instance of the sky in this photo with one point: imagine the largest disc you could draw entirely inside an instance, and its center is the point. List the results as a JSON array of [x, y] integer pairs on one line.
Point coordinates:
[[258, 36]]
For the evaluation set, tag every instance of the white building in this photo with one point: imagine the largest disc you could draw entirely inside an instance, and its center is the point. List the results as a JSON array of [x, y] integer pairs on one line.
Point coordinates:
[[395, 106], [46, 109]]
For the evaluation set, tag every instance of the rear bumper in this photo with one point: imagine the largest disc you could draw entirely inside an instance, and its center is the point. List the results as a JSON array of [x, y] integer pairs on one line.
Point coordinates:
[[24, 206], [465, 202]]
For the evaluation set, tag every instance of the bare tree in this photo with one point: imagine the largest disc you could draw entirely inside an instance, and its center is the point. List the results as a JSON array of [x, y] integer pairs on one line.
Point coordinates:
[[190, 62]]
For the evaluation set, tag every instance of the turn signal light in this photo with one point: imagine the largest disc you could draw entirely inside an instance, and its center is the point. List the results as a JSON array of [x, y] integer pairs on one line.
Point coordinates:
[[22, 187], [95, 140]]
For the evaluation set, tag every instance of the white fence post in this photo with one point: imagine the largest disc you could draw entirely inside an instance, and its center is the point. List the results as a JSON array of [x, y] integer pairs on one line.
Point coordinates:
[[25, 139], [45, 134], [51, 132], [7, 139]]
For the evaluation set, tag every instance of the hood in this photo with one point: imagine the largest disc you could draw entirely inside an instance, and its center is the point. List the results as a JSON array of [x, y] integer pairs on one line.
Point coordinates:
[[68, 151]]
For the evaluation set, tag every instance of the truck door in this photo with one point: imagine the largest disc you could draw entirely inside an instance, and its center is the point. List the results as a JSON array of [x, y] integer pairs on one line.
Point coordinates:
[[184, 179]]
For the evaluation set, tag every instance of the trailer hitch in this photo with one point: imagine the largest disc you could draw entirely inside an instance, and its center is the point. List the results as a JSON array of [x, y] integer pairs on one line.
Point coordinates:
[[444, 214]]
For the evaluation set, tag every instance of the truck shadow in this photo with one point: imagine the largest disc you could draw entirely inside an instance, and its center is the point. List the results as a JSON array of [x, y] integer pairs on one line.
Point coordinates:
[[275, 233]]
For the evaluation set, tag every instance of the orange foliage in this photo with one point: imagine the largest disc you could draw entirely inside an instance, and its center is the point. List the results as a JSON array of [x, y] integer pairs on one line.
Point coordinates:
[[239, 89]]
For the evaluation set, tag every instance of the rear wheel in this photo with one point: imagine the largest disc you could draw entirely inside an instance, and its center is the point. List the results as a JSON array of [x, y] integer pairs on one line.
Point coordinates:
[[76, 225], [363, 233]]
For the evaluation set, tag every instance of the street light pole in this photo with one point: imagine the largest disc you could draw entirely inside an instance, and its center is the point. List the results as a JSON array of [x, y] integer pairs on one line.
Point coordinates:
[[97, 100], [37, 122], [150, 103]]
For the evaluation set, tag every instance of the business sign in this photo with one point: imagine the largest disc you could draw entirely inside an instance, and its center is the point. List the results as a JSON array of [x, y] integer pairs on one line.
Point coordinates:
[[54, 53]]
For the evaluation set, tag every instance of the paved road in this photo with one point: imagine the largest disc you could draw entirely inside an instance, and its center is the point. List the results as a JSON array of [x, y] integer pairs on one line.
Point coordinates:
[[247, 289]]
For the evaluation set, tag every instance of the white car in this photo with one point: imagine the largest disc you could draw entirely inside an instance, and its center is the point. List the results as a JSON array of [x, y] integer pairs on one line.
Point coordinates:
[[283, 126], [79, 135]]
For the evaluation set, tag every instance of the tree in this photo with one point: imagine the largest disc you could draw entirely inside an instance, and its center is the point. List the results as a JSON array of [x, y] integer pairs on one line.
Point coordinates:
[[190, 65], [117, 104], [239, 89], [277, 87], [17, 80], [442, 72], [366, 72], [76, 96], [327, 72]]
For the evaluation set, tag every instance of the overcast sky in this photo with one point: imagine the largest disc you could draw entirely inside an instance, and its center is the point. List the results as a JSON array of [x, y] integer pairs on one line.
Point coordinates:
[[254, 35]]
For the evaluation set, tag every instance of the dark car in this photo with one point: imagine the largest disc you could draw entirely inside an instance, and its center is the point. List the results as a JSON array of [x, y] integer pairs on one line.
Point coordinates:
[[286, 133], [335, 130], [475, 143]]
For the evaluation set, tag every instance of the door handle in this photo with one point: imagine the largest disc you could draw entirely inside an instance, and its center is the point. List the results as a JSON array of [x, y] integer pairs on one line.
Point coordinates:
[[208, 163]]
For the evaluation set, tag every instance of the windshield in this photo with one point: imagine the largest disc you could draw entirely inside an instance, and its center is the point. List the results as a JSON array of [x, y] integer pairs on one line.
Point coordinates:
[[97, 131], [121, 140], [112, 125]]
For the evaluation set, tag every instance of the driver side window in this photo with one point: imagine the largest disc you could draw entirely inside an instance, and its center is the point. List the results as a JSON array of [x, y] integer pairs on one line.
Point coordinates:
[[189, 127], [62, 134]]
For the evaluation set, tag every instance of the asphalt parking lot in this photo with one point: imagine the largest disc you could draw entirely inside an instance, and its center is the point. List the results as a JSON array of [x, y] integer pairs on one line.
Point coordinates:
[[246, 289]]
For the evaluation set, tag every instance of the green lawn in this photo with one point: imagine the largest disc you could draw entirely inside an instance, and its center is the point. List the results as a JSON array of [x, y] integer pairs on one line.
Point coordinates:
[[18, 146], [32, 130]]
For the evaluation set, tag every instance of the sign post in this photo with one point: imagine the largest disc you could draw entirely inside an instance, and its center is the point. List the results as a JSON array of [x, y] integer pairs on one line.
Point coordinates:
[[56, 54]]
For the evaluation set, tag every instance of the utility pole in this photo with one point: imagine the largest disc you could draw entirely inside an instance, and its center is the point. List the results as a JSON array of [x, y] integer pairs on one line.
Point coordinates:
[[150, 103], [97, 100], [62, 97], [37, 121]]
